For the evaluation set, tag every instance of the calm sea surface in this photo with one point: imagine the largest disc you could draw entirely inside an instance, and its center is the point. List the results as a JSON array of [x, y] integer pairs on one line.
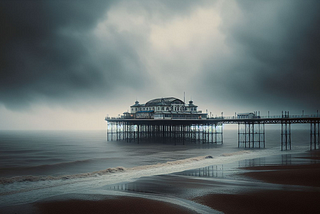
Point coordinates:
[[58, 153]]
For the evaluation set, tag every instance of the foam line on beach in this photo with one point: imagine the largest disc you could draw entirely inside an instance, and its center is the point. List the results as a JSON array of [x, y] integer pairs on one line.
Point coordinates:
[[30, 178]]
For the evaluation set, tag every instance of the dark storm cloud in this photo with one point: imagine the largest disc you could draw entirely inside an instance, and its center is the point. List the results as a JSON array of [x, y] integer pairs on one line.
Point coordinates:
[[276, 58], [48, 52]]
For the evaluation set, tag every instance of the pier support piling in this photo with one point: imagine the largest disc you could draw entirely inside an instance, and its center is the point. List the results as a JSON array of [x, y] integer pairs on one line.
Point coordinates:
[[251, 134], [173, 132], [314, 135], [285, 132]]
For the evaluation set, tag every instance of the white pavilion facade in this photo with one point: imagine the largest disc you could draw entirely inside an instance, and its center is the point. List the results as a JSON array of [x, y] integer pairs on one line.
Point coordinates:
[[165, 108]]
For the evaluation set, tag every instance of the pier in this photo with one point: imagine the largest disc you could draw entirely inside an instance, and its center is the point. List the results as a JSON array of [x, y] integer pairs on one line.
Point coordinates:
[[172, 120], [251, 131]]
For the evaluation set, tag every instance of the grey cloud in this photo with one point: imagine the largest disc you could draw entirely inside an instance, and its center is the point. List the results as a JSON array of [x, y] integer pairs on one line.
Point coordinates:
[[167, 9], [276, 55], [48, 52]]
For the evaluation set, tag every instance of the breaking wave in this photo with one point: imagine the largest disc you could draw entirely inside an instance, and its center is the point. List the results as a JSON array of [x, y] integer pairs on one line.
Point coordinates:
[[31, 178]]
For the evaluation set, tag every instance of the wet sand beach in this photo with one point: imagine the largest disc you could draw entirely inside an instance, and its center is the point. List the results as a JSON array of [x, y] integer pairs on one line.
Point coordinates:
[[297, 192], [110, 205], [275, 184], [97, 204], [263, 201]]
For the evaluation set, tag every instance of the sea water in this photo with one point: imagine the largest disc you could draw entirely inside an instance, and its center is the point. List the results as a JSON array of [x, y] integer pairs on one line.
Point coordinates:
[[39, 164]]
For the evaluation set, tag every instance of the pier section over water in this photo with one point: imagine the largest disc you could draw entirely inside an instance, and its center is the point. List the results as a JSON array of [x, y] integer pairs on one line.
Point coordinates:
[[251, 131], [171, 119], [177, 131]]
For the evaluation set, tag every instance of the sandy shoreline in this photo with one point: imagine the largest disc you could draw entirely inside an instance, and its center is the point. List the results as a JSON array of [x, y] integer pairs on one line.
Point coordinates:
[[267, 201], [295, 174], [110, 205], [283, 200], [304, 175], [290, 186], [104, 204]]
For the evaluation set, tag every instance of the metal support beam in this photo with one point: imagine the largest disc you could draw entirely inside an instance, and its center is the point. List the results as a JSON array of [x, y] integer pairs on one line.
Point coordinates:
[[285, 135], [251, 135], [314, 135]]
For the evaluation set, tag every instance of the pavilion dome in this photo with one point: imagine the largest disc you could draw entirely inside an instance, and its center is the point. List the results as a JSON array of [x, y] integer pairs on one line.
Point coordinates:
[[164, 101], [191, 103], [136, 104]]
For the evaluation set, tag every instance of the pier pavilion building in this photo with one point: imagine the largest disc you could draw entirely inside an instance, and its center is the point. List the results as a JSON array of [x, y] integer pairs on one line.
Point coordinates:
[[164, 108], [164, 119]]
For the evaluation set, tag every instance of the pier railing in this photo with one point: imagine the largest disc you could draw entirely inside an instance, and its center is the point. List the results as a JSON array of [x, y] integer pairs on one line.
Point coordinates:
[[234, 117], [268, 117]]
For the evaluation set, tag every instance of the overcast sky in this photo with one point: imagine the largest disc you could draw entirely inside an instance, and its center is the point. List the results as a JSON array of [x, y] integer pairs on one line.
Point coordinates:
[[67, 64]]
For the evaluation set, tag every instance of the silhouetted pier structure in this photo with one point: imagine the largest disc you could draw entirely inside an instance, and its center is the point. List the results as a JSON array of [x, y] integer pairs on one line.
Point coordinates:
[[251, 131], [177, 131]]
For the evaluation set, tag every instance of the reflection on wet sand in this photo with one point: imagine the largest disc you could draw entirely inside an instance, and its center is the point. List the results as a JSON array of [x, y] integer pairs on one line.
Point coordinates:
[[214, 171], [290, 176]]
